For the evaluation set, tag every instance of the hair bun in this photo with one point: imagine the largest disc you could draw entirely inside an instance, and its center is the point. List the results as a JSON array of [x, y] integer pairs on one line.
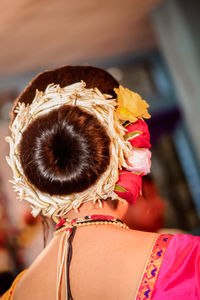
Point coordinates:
[[64, 151]]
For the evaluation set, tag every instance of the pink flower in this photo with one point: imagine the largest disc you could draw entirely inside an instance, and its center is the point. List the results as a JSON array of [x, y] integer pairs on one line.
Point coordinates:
[[139, 161]]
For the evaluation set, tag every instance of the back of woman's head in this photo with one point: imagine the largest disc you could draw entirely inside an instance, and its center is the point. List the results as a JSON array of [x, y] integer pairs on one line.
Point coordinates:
[[64, 151], [68, 141]]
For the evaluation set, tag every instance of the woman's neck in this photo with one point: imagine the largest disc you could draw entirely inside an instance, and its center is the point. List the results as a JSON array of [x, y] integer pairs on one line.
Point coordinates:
[[107, 208]]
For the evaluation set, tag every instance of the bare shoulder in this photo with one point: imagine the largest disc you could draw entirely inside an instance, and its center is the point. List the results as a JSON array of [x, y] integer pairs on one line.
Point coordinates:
[[140, 238], [39, 276]]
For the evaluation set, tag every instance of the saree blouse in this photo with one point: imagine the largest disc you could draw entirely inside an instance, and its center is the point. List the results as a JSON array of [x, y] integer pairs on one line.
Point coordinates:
[[172, 270]]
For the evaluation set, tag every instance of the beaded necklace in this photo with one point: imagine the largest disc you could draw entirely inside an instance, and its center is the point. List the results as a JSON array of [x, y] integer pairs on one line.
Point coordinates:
[[66, 224], [68, 227]]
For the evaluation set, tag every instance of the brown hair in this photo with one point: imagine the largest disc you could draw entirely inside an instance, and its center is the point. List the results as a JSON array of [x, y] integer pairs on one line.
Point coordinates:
[[64, 151], [66, 75]]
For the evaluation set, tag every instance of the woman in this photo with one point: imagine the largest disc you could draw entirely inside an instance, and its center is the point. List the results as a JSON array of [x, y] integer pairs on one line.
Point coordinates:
[[78, 155]]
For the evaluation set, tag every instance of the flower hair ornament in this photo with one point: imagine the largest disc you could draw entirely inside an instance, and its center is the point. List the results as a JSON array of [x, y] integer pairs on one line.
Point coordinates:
[[130, 157], [132, 108]]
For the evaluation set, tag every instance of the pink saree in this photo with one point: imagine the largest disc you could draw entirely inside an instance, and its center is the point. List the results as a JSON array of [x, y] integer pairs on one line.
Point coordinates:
[[173, 269]]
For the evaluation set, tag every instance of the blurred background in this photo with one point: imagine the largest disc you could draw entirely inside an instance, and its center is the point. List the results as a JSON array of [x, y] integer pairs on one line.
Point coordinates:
[[151, 47]]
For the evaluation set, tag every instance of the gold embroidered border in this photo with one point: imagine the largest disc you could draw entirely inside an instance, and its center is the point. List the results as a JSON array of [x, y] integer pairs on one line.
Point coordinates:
[[153, 266]]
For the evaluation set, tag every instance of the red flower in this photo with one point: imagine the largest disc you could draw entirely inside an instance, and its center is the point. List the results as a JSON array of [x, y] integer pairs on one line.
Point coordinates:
[[128, 186], [138, 134]]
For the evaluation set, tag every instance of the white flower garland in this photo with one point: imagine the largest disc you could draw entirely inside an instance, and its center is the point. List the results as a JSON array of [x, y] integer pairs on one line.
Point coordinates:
[[94, 102]]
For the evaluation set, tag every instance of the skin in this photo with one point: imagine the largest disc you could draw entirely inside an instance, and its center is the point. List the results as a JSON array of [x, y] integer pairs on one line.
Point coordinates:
[[107, 262]]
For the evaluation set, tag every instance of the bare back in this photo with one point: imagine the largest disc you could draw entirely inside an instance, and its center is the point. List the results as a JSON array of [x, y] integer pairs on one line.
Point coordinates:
[[107, 263]]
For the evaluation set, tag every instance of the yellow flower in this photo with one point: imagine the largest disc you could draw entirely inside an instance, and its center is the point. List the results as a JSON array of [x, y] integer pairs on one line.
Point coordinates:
[[131, 106]]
